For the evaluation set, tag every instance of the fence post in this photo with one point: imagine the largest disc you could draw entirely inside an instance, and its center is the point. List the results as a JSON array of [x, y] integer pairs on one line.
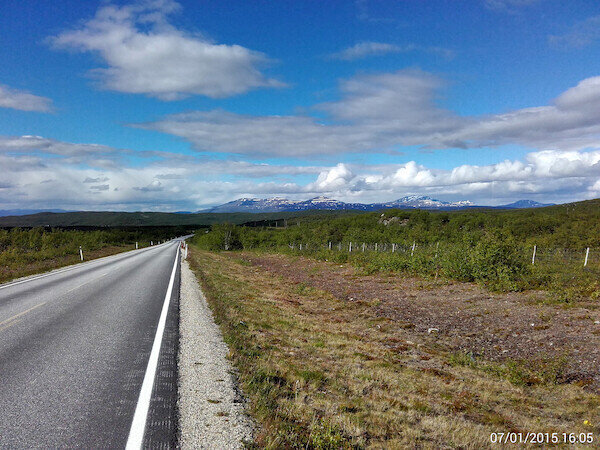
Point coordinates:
[[534, 252], [413, 248], [81, 253], [587, 253]]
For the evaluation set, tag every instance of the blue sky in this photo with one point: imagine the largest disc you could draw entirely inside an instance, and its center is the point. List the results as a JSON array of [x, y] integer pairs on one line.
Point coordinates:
[[163, 105]]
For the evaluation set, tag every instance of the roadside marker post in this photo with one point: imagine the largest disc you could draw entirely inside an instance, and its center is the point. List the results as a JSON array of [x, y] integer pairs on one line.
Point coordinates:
[[587, 253], [350, 247], [81, 253], [363, 247], [412, 251], [136, 245], [329, 245], [534, 252], [375, 246]]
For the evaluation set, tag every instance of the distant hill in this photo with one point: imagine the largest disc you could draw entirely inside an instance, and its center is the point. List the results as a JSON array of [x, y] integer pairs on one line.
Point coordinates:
[[24, 212], [237, 212], [278, 204], [134, 219]]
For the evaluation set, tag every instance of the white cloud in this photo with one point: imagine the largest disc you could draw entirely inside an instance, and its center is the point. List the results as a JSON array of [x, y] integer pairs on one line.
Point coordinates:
[[367, 49], [22, 100], [147, 55], [379, 113], [32, 178]]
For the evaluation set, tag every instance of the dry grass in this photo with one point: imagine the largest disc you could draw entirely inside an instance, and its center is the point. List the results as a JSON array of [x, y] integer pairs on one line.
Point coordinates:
[[32, 268], [321, 372]]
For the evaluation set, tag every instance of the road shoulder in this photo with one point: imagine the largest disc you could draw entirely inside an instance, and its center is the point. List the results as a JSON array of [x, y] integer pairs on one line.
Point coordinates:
[[212, 412]]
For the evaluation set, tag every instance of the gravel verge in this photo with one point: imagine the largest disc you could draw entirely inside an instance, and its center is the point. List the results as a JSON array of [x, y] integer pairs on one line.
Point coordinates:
[[211, 408]]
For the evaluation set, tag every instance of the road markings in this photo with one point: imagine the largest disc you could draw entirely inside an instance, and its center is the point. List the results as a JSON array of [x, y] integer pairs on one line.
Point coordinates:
[[138, 425], [16, 316], [89, 281]]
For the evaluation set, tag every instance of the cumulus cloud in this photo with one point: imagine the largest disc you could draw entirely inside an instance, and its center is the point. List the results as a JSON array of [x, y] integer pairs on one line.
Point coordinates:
[[380, 113], [367, 49], [175, 184], [22, 100], [145, 54]]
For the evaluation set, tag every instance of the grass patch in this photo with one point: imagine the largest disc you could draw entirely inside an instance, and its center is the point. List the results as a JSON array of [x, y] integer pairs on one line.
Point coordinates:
[[326, 373]]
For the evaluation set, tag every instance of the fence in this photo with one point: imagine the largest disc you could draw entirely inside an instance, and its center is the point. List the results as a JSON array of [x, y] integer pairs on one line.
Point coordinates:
[[536, 255]]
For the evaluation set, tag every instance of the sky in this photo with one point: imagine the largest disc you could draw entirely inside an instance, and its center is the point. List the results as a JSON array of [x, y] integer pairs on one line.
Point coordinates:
[[160, 105]]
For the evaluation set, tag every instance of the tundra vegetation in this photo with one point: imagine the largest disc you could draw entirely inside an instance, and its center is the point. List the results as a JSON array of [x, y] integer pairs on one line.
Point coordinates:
[[336, 349], [494, 248], [28, 251], [324, 370]]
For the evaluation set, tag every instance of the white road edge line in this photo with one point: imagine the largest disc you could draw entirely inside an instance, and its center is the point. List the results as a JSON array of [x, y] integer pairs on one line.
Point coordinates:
[[138, 425]]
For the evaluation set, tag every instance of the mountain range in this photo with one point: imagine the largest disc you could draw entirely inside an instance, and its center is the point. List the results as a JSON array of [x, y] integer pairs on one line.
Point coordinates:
[[277, 204]]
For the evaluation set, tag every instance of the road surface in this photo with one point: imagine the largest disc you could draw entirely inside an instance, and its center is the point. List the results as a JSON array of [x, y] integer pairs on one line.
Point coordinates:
[[75, 347]]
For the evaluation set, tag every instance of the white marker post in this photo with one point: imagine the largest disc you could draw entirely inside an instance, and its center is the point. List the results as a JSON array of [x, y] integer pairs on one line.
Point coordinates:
[[393, 247], [81, 253], [534, 252], [375, 246], [136, 245], [350, 247], [329, 245], [413, 248], [587, 253], [363, 247], [151, 243]]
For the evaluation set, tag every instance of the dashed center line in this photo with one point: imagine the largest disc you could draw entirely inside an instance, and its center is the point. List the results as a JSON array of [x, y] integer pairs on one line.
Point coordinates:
[[11, 320]]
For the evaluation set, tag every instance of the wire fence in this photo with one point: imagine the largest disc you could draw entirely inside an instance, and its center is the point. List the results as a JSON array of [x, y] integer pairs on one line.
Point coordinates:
[[537, 256]]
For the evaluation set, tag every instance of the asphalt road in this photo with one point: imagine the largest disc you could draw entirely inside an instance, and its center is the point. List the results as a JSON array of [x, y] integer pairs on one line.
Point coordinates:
[[75, 346]]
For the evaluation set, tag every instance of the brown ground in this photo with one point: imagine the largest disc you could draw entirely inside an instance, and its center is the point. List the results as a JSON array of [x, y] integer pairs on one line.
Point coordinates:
[[499, 327]]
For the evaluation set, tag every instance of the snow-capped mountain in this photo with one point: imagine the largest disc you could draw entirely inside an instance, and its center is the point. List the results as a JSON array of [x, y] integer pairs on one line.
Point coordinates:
[[525, 204], [278, 204]]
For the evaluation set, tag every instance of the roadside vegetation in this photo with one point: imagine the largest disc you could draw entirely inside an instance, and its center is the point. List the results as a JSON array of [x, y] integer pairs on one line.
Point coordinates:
[[493, 248], [28, 251], [328, 360]]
